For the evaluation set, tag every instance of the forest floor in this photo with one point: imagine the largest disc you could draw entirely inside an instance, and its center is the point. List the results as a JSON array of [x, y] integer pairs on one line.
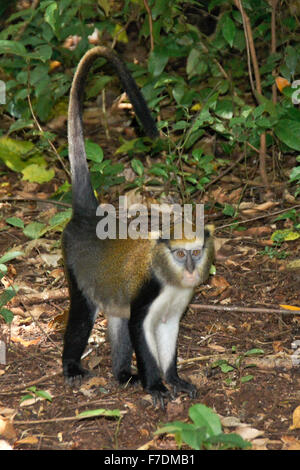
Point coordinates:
[[257, 401]]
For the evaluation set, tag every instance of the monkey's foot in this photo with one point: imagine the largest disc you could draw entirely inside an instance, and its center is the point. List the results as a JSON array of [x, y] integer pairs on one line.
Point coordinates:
[[180, 385], [159, 394], [125, 377], [74, 373]]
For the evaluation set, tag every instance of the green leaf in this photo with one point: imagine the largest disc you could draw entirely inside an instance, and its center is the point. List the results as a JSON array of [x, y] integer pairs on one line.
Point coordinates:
[[295, 174], [51, 15], [230, 441], [268, 104], [137, 166], [246, 378], [43, 394], [226, 368], [194, 436], [134, 145], [229, 210], [99, 412], [224, 109], [3, 270], [37, 174], [43, 53], [97, 86], [12, 150], [7, 295], [35, 230], [104, 4], [10, 254], [157, 61], [173, 427], [7, 315], [288, 132], [206, 417], [228, 30], [195, 64], [157, 171], [12, 47], [284, 235], [60, 218], [93, 151], [15, 222], [253, 351]]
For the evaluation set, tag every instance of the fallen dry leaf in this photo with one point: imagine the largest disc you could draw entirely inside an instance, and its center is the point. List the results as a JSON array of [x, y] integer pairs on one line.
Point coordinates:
[[230, 421], [24, 342], [281, 83], [248, 433], [290, 443], [296, 418], [220, 284], [254, 231], [216, 347], [27, 440], [7, 429], [277, 346]]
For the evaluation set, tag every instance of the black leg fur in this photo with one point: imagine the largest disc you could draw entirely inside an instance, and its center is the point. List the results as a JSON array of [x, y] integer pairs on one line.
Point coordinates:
[[121, 350], [148, 368], [80, 323], [178, 384]]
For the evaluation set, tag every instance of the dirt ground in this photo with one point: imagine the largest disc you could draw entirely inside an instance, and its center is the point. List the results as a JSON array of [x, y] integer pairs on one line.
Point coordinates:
[[256, 401], [260, 399]]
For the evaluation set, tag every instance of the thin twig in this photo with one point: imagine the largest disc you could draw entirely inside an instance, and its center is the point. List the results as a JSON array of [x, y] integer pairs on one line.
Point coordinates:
[[150, 24], [19, 388], [273, 4], [241, 308], [35, 199], [259, 217]]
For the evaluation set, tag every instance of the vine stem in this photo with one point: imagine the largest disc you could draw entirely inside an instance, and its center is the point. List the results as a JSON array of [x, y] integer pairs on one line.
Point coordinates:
[[150, 23], [257, 90]]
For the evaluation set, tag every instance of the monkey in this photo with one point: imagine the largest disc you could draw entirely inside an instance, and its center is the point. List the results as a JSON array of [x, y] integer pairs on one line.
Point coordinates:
[[143, 286]]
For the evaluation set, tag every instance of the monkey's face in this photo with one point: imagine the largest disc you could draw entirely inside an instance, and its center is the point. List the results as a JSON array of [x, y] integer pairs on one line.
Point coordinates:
[[185, 263], [188, 264]]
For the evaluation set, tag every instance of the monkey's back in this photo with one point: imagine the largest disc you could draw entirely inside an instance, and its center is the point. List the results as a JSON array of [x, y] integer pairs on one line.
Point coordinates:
[[106, 269]]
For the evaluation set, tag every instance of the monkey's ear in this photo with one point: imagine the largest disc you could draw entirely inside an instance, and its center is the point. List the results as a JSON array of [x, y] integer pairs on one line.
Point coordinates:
[[210, 228]]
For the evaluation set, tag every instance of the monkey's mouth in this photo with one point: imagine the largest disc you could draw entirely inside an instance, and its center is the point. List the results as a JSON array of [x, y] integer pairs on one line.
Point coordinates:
[[190, 279]]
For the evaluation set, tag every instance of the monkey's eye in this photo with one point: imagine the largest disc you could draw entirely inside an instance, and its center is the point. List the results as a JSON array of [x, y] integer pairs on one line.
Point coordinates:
[[180, 254], [196, 253]]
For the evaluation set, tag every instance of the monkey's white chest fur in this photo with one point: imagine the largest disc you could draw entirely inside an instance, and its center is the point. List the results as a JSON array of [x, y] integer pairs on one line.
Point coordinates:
[[171, 302], [162, 322]]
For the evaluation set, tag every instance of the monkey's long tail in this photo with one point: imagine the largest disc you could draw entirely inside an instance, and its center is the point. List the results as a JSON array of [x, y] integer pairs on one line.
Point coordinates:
[[83, 195]]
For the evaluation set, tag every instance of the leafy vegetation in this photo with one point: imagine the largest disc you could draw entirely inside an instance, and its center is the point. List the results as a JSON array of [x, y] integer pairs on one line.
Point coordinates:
[[205, 431], [214, 97], [200, 75], [10, 290], [235, 369]]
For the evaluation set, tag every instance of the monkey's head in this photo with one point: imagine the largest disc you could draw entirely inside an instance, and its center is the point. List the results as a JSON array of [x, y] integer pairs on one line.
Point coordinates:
[[185, 262]]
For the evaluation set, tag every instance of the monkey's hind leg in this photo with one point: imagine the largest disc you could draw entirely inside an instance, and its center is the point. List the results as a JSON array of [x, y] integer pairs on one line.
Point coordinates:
[[81, 319], [121, 350]]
